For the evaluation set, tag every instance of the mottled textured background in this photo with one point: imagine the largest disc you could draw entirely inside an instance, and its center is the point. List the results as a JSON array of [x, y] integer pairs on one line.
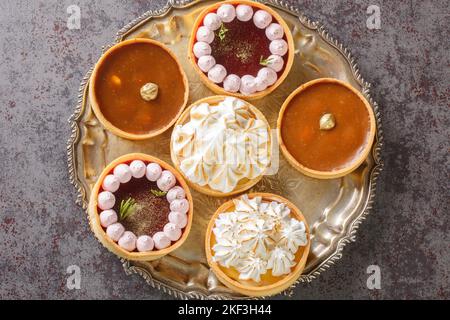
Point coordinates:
[[42, 231]]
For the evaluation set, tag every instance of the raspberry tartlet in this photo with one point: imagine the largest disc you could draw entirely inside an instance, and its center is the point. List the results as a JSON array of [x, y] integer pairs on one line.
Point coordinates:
[[241, 48], [140, 208]]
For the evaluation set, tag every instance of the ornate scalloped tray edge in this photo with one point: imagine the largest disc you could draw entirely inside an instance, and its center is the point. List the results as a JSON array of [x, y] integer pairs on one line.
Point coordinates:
[[349, 236]]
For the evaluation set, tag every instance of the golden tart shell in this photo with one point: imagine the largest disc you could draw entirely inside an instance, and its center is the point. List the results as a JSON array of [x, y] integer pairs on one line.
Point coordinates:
[[94, 217], [352, 165], [246, 288]]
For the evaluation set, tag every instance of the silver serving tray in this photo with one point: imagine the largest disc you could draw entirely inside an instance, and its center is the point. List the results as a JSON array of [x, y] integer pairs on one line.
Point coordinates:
[[334, 208]]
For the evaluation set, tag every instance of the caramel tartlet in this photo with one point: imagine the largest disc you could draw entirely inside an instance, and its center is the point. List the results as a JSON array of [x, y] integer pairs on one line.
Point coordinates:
[[138, 89], [326, 128], [257, 244], [140, 208], [241, 48]]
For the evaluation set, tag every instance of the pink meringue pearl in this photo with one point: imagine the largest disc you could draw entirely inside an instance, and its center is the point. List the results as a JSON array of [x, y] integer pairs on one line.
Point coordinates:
[[178, 218], [248, 85], [108, 217], [232, 83], [172, 231], [201, 49], [144, 243], [212, 21], [179, 205], [268, 75], [137, 168], [205, 34], [153, 171], [217, 73], [274, 31], [111, 183], [226, 12], [122, 172], [278, 47], [261, 84], [166, 181], [244, 12], [176, 193], [205, 63], [161, 241], [106, 200], [127, 241], [262, 19], [275, 62], [115, 231]]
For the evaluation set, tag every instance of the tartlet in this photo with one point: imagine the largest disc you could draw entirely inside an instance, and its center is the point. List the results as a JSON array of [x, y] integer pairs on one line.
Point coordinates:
[[132, 83], [275, 262], [326, 128], [241, 48], [221, 145], [140, 208]]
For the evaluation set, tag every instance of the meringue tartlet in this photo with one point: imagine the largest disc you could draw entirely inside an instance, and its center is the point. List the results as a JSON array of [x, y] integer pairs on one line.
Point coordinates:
[[326, 128], [140, 207], [257, 244], [241, 48], [221, 145], [132, 82]]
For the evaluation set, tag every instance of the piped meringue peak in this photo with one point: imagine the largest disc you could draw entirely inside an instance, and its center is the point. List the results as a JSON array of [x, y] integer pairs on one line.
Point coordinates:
[[258, 237], [116, 211], [216, 39], [222, 144]]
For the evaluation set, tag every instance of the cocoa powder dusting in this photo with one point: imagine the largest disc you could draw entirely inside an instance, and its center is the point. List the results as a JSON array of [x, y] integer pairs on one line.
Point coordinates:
[[151, 212]]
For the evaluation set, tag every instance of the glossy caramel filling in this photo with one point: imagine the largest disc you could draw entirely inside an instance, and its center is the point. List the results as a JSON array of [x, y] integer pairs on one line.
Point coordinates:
[[325, 150], [120, 78]]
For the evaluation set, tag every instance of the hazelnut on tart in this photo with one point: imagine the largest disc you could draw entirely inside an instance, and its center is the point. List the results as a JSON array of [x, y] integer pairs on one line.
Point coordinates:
[[257, 244], [221, 145], [241, 48], [138, 89], [140, 208]]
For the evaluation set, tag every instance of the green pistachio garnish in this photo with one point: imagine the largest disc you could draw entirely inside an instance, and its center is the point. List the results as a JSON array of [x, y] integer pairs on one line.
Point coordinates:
[[126, 208], [158, 193], [222, 32], [327, 122], [264, 61]]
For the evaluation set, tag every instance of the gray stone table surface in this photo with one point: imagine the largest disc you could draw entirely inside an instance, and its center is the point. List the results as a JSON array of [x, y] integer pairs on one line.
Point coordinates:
[[42, 231]]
